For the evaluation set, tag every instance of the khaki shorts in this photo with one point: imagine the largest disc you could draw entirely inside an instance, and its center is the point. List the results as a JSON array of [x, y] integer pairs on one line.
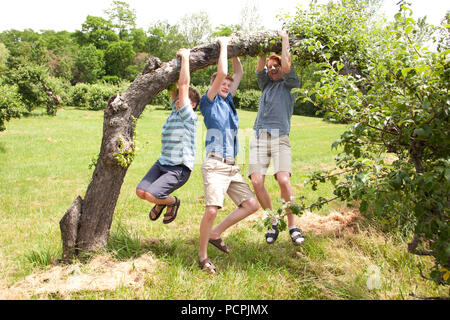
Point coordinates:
[[266, 148], [220, 178]]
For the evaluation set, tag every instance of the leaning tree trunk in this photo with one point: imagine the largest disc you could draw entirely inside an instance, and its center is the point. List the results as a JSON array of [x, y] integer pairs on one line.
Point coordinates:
[[86, 224]]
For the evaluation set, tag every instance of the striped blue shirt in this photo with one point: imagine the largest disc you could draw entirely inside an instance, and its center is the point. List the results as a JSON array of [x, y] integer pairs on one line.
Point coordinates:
[[178, 137]]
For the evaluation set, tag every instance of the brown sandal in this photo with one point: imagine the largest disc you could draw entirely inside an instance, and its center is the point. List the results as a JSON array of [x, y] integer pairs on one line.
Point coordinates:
[[155, 212], [173, 212], [207, 265], [219, 244]]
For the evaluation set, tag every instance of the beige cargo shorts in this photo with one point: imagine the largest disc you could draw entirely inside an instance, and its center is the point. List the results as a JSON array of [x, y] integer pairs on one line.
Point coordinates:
[[219, 179], [266, 148]]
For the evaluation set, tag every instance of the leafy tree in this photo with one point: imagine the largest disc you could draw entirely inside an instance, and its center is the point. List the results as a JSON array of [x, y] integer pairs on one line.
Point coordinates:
[[26, 52], [11, 105], [14, 37], [224, 30], [89, 64], [139, 39], [59, 42], [97, 31], [60, 65], [32, 85], [196, 28], [164, 40], [395, 157], [4, 54], [250, 19], [122, 17], [118, 56]]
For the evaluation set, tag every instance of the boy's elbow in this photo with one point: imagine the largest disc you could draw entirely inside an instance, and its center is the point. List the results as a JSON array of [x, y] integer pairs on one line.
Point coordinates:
[[286, 67], [221, 74]]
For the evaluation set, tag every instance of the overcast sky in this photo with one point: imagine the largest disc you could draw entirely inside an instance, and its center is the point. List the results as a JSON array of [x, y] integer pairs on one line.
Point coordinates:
[[69, 15]]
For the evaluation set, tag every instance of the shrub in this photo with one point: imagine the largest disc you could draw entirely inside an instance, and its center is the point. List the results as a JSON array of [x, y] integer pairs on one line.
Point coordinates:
[[94, 96], [201, 89], [394, 158], [248, 99], [60, 87], [11, 105], [111, 79], [30, 80], [78, 95], [162, 99], [98, 95], [307, 108]]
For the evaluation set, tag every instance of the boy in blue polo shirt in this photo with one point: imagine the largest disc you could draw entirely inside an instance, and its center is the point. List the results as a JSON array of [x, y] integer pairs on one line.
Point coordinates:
[[220, 172], [277, 79], [173, 168]]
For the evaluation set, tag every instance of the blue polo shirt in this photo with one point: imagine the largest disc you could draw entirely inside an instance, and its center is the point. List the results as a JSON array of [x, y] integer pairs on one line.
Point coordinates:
[[276, 105], [222, 123]]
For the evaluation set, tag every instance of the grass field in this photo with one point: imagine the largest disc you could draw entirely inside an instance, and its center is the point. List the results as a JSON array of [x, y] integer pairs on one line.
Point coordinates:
[[44, 165]]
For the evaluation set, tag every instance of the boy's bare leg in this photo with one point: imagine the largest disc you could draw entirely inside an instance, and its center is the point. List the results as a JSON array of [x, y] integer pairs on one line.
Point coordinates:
[[244, 210], [206, 226], [284, 182], [260, 190], [150, 198]]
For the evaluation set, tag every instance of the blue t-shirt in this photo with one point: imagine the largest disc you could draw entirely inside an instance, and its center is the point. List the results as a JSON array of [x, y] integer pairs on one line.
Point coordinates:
[[222, 123]]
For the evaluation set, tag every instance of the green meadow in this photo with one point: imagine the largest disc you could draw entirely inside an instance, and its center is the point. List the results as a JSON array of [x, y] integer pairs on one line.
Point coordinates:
[[45, 164]]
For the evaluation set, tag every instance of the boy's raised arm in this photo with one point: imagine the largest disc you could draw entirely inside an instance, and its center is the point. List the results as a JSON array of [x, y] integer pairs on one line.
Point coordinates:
[[222, 68], [261, 63], [238, 72], [184, 79], [285, 52]]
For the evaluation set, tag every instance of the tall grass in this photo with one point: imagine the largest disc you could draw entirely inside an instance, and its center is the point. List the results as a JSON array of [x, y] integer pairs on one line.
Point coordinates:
[[44, 165]]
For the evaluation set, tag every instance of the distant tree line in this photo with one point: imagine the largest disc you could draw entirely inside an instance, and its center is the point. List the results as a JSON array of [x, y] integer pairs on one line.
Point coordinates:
[[42, 69]]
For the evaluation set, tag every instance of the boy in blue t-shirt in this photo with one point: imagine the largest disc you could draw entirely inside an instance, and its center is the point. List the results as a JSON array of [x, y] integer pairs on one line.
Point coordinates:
[[219, 171]]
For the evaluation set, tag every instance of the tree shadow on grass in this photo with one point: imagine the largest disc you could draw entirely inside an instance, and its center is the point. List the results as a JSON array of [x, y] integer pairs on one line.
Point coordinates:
[[245, 254], [34, 114], [267, 267]]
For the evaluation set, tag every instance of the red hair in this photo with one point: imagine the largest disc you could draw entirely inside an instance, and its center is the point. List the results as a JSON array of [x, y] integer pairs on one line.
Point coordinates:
[[274, 57]]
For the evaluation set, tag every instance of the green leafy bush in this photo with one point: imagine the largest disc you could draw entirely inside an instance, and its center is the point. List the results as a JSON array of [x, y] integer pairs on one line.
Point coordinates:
[[78, 95], [307, 108], [247, 99], [394, 159], [162, 99], [11, 105], [98, 95], [94, 96], [31, 81], [61, 88], [111, 79]]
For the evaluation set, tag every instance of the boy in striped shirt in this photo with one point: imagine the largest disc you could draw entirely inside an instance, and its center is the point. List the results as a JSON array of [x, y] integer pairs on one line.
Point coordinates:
[[173, 168]]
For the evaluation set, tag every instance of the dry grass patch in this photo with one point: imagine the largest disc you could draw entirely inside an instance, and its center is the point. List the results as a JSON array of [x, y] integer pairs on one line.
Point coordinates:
[[101, 274], [333, 223]]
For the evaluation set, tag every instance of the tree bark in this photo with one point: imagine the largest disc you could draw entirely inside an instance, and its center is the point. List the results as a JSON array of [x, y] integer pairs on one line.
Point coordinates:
[[86, 225]]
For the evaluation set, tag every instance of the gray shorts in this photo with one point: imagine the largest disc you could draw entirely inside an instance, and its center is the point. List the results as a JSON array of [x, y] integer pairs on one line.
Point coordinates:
[[162, 180]]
